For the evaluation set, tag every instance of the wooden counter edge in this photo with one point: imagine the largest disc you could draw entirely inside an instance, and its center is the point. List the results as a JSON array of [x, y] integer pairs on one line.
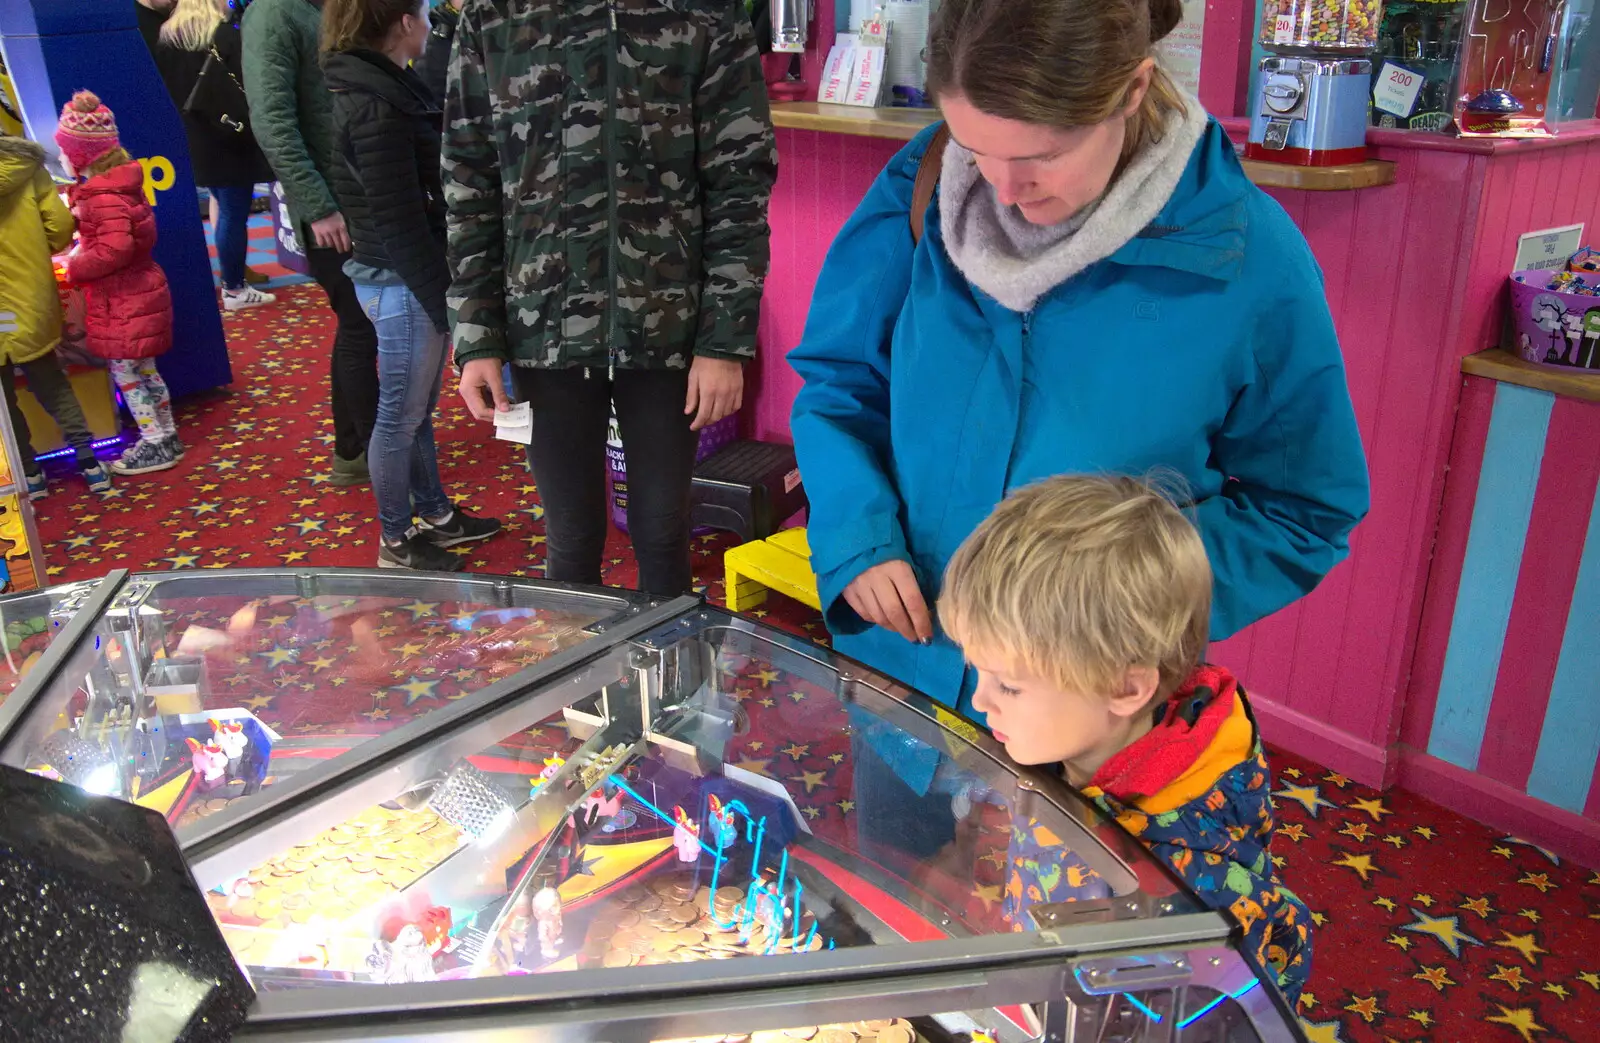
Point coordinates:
[[905, 124], [1501, 365]]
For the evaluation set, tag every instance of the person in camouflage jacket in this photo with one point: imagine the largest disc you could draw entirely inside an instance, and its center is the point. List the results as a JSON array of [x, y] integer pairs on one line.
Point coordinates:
[[607, 170]]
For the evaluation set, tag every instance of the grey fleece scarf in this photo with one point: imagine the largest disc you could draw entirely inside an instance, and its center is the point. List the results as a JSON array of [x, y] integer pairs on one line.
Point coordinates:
[[1015, 262]]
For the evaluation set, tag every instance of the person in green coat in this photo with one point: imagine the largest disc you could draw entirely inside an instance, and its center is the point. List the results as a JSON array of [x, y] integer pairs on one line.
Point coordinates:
[[34, 226], [291, 113]]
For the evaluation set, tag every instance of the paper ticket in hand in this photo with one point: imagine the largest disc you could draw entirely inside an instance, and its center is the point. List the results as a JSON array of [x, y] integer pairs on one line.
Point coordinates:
[[515, 424]]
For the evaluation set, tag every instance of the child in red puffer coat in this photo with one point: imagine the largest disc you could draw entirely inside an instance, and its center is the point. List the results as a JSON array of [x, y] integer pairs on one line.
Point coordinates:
[[128, 309]]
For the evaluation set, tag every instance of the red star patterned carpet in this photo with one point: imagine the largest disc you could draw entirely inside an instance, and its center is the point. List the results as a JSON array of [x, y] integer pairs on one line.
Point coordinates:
[[1430, 927]]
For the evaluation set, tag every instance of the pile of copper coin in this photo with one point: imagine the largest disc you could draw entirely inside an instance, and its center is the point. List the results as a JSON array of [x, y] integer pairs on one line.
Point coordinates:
[[669, 920]]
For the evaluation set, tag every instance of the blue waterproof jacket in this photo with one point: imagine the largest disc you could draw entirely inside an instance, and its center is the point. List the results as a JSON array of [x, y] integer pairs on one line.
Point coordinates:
[[1203, 345]]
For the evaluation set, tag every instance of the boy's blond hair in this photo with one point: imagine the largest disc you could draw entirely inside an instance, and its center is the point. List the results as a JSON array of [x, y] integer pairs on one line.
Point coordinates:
[[1079, 577]]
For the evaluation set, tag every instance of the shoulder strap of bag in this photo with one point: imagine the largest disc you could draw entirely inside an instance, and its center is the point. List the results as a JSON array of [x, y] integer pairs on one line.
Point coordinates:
[[927, 181]]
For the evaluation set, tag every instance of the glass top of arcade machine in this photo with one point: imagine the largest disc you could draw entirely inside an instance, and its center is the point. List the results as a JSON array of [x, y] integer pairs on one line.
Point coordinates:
[[198, 693]]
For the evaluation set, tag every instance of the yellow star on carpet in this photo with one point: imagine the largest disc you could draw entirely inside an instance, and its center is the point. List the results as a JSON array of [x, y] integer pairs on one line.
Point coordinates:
[[795, 750], [1426, 901], [846, 806], [293, 556], [1421, 1017], [837, 758], [1362, 864], [989, 896], [1530, 915], [1387, 903], [1594, 878], [1521, 1020], [278, 655], [420, 609], [1524, 944], [1447, 929], [416, 689], [1425, 832], [764, 677], [1321, 1031], [1308, 1000], [797, 697], [320, 664], [410, 649], [811, 812], [1400, 940], [1438, 977], [811, 780], [1512, 976], [1307, 796], [256, 702], [183, 561], [1591, 979], [1373, 807], [1357, 831], [1319, 919], [1294, 831], [1480, 906], [1293, 773], [1539, 880], [1396, 840], [1337, 779], [1365, 1007], [1558, 991], [759, 767]]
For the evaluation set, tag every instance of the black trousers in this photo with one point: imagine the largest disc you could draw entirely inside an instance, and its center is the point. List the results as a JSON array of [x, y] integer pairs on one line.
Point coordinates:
[[571, 413], [354, 366]]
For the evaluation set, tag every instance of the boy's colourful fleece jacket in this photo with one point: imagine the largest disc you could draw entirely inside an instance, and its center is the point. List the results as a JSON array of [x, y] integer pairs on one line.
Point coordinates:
[[1195, 791]]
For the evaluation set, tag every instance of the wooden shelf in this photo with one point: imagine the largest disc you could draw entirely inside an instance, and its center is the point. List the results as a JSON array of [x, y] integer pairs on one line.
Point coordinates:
[[1501, 365], [895, 124], [904, 124], [1371, 174]]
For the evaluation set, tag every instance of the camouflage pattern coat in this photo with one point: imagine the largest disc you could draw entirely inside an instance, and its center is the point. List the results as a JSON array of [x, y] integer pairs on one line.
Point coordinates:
[[607, 168]]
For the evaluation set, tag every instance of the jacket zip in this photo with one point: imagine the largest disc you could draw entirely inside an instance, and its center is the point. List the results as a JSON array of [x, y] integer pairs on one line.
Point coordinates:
[[609, 151]]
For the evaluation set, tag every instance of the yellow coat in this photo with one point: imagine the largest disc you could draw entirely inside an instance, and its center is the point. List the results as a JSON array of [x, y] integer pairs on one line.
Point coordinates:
[[34, 225]]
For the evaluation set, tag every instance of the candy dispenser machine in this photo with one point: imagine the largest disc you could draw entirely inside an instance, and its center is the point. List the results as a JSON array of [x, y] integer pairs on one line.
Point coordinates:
[[1312, 97], [1508, 62]]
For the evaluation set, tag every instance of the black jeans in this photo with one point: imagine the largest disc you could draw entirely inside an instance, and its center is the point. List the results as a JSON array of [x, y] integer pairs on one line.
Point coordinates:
[[571, 412], [354, 374]]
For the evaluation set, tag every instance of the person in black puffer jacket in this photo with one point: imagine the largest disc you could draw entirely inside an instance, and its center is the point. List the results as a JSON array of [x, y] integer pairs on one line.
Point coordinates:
[[386, 177], [434, 65]]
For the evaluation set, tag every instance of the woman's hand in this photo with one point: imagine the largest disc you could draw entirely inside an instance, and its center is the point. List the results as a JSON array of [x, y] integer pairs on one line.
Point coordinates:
[[888, 596], [716, 388]]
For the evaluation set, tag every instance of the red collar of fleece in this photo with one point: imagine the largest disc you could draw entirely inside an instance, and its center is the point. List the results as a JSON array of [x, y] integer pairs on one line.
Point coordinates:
[[1185, 726]]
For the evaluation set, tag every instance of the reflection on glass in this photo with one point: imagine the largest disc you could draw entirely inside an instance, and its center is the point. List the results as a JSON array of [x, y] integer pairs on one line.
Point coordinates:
[[29, 624], [735, 826], [188, 704]]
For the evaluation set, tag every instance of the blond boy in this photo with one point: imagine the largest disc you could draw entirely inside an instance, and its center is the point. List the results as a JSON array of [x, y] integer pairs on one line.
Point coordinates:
[[1083, 603]]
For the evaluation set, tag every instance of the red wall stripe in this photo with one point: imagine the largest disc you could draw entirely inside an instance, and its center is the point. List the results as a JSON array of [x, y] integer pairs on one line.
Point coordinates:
[[1550, 558]]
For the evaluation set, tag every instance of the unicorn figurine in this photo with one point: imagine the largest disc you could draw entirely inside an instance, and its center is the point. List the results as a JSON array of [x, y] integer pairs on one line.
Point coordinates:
[[685, 836], [210, 762], [551, 766], [722, 825], [229, 736]]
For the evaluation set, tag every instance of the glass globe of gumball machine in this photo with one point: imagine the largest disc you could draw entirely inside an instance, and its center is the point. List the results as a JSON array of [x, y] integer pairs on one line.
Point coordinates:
[[1311, 104]]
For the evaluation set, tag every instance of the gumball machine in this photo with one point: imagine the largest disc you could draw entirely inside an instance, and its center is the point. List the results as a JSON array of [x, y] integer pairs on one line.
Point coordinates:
[[1315, 86]]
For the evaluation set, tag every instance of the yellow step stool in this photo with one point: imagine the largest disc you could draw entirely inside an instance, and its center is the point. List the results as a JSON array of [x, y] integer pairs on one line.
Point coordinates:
[[781, 563]]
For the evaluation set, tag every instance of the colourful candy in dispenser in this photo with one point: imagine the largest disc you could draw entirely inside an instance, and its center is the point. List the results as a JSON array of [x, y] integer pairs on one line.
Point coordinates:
[[1313, 24], [1585, 260]]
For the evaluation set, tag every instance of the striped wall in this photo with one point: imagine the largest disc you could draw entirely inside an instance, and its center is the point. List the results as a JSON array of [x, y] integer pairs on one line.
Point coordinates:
[[1503, 720]]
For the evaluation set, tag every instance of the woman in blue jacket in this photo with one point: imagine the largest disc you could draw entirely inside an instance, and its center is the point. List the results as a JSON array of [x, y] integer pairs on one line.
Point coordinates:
[[1098, 287]]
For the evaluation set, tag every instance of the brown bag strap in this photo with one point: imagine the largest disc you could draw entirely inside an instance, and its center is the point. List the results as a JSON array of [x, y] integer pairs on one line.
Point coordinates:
[[927, 180]]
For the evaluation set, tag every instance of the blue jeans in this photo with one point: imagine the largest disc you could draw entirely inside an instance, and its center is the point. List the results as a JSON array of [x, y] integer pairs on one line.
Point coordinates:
[[401, 455], [232, 232]]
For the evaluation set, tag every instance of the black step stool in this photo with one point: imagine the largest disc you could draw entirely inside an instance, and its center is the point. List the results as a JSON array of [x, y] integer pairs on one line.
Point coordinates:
[[748, 489]]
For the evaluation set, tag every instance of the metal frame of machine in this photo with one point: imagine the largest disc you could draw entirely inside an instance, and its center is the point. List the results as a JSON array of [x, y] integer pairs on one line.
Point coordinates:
[[1149, 955]]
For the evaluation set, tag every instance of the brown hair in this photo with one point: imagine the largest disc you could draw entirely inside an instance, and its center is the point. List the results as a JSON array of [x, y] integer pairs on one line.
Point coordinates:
[[347, 24], [110, 161], [1079, 577], [1060, 63]]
